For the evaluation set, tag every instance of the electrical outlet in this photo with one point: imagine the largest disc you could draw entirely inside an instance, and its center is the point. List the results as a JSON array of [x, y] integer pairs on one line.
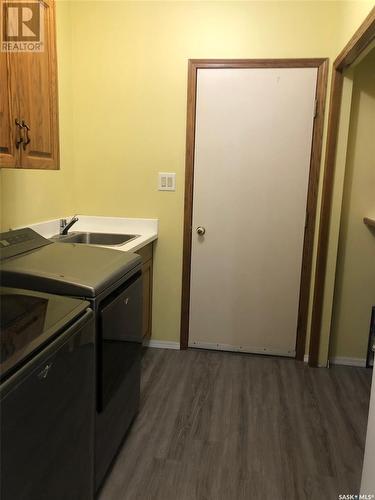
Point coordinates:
[[167, 181]]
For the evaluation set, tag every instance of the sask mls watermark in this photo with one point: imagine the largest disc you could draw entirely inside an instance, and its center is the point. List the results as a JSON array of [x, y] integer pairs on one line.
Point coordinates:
[[356, 496], [22, 27]]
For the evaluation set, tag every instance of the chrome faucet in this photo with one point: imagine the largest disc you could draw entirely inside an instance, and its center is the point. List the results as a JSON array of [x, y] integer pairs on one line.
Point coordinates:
[[64, 227]]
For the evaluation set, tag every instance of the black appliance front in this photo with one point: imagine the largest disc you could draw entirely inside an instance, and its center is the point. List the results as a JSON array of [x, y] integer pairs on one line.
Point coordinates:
[[47, 420], [120, 330], [119, 367], [112, 282]]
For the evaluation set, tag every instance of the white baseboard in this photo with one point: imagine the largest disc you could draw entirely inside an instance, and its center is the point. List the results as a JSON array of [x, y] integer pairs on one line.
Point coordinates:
[[165, 344], [348, 361], [236, 348], [162, 344]]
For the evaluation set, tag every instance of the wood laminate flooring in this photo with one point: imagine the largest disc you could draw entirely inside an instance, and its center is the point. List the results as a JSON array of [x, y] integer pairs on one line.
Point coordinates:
[[223, 426]]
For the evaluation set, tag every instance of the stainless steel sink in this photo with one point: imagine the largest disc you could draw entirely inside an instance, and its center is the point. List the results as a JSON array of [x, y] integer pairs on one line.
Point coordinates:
[[109, 239]]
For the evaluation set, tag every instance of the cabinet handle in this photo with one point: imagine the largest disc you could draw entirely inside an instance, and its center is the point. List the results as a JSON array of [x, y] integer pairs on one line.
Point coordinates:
[[19, 139], [26, 138]]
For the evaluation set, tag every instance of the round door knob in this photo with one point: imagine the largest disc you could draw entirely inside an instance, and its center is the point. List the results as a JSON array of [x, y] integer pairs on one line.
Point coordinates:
[[201, 230]]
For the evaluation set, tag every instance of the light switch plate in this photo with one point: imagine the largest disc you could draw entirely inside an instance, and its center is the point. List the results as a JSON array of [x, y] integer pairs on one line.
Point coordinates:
[[167, 181]]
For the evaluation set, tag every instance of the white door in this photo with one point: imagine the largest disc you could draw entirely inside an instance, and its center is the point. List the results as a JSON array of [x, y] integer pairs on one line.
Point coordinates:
[[251, 168], [368, 471]]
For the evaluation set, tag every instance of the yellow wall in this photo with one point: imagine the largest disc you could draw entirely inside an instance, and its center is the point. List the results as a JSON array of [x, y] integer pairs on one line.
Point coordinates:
[[128, 107], [355, 274], [34, 195], [130, 101]]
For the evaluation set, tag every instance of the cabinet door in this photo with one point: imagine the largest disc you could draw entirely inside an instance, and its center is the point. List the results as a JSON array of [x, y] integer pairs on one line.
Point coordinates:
[[147, 298], [8, 129], [33, 83], [147, 269]]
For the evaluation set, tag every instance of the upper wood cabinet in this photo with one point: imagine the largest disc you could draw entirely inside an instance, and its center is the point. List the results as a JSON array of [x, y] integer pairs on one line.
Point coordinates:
[[28, 106], [7, 130]]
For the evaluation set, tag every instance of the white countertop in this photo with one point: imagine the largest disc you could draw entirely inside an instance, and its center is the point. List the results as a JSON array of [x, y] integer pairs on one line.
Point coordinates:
[[146, 228]]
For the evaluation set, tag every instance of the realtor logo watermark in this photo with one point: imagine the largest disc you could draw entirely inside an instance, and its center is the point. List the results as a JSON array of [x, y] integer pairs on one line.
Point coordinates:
[[22, 26]]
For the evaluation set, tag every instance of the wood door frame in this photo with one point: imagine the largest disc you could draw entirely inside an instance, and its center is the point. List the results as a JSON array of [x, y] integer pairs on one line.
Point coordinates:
[[316, 150], [360, 41]]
